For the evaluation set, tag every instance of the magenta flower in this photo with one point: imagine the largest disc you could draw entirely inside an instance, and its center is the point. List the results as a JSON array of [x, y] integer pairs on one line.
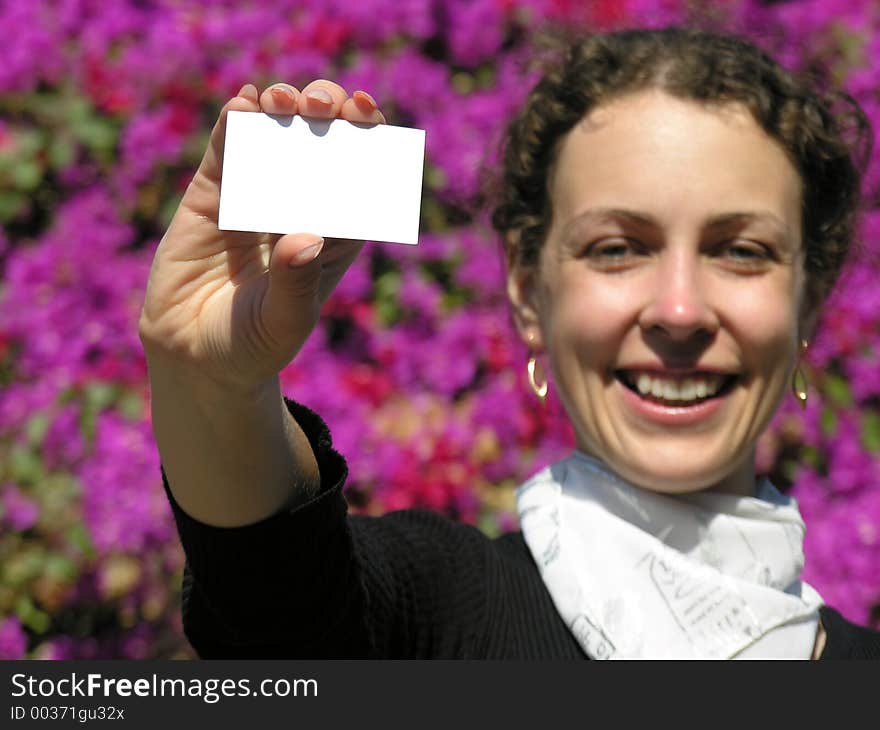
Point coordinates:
[[13, 639], [415, 367], [19, 511]]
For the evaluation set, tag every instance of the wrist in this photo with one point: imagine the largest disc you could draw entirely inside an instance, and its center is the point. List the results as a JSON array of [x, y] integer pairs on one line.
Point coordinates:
[[171, 377]]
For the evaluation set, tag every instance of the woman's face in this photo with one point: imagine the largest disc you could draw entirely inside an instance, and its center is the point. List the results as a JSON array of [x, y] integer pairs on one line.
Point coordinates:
[[669, 289]]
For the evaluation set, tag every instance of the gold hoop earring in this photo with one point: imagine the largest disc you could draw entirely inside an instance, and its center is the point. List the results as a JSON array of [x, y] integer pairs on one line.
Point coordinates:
[[799, 383], [538, 390]]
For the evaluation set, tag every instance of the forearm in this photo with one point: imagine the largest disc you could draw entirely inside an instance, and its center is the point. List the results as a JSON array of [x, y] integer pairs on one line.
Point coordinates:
[[231, 458]]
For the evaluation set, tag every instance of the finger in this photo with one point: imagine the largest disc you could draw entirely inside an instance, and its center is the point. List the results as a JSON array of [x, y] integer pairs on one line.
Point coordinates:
[[280, 99], [212, 161], [323, 99], [362, 107], [291, 304], [336, 256]]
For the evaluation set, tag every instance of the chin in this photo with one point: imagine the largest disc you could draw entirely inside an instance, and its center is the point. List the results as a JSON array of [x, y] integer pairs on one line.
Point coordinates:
[[676, 470]]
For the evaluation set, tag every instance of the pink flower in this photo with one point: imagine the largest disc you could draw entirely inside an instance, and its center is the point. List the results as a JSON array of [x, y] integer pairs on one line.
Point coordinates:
[[19, 511], [13, 639]]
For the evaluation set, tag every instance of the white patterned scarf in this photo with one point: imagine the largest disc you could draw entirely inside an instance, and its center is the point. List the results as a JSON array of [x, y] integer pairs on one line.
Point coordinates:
[[637, 574]]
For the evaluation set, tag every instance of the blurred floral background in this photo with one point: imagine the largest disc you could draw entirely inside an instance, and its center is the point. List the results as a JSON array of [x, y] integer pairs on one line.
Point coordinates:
[[105, 109]]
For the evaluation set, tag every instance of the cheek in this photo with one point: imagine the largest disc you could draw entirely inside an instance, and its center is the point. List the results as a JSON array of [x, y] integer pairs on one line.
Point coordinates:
[[585, 320], [764, 324]]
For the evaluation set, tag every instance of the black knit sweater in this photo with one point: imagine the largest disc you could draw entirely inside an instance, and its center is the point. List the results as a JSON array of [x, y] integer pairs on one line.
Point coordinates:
[[316, 583]]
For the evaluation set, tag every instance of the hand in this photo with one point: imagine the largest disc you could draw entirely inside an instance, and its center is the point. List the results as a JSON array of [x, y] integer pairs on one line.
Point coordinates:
[[234, 308]]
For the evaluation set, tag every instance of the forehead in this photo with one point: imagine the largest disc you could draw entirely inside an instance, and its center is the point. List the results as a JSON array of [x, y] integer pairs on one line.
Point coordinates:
[[675, 159]]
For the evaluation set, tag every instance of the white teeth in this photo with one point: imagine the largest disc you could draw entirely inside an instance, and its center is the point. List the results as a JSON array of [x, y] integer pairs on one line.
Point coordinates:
[[688, 390], [693, 388]]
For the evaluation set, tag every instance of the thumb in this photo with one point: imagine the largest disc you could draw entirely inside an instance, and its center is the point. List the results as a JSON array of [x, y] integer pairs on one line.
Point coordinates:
[[291, 306]]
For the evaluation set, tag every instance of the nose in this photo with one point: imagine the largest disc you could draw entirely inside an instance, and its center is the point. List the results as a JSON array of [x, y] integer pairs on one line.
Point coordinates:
[[678, 304]]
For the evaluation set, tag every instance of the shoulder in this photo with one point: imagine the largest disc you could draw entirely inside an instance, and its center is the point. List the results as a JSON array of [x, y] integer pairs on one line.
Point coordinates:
[[846, 640], [423, 539], [411, 526], [440, 552], [425, 531], [511, 547]]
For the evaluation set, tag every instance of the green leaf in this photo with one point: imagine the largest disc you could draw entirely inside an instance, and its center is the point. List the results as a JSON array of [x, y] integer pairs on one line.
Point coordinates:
[[12, 204], [36, 429], [386, 288], [871, 431], [67, 395], [811, 458], [435, 178], [433, 214], [452, 300], [78, 536], [789, 470], [485, 76], [837, 391], [61, 568], [829, 422], [36, 620], [488, 524], [60, 153], [24, 565], [131, 406], [87, 425], [99, 395], [463, 83], [39, 621], [97, 133], [27, 175], [25, 467]]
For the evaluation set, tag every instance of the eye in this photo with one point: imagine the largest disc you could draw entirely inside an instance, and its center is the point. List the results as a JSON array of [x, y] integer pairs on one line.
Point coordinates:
[[611, 252], [745, 253]]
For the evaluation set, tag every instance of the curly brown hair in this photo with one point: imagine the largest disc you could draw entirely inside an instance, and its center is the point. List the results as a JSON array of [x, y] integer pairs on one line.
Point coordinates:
[[826, 134]]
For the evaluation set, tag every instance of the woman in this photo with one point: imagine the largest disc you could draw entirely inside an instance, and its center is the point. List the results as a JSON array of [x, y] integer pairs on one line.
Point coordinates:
[[675, 208]]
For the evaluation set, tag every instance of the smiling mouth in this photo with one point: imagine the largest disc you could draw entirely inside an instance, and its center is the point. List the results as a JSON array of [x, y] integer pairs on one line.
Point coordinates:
[[679, 391]]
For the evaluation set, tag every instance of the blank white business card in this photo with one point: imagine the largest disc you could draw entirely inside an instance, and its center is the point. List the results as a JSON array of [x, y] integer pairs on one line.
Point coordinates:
[[329, 177]]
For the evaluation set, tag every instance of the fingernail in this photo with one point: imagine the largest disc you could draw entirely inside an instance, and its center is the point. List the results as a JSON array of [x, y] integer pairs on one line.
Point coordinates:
[[281, 95], [362, 98], [320, 96], [248, 91], [307, 254]]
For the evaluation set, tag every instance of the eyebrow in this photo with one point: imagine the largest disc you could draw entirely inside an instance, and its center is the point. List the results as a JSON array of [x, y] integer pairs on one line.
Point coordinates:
[[720, 220]]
